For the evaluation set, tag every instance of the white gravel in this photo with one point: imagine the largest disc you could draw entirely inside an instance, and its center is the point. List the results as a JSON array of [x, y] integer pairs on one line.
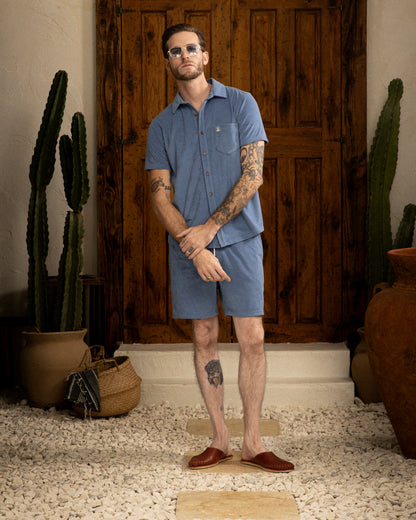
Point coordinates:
[[56, 466]]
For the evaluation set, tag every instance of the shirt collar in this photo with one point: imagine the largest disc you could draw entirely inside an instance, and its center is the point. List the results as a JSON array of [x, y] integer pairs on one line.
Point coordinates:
[[218, 90]]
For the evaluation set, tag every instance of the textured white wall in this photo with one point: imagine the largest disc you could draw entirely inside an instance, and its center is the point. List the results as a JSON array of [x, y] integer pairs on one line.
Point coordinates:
[[39, 37], [391, 53]]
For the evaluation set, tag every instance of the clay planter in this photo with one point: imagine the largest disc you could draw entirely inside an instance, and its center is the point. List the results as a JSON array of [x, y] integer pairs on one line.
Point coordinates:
[[390, 331], [46, 360], [361, 372]]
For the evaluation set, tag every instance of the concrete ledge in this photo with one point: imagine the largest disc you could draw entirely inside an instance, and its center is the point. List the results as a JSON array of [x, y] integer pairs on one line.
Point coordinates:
[[297, 374]]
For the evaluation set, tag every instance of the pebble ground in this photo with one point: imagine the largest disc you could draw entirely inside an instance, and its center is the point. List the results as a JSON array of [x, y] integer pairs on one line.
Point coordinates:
[[54, 465]]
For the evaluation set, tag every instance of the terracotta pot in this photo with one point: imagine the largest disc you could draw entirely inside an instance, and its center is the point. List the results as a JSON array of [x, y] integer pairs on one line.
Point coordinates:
[[361, 373], [46, 360], [390, 331]]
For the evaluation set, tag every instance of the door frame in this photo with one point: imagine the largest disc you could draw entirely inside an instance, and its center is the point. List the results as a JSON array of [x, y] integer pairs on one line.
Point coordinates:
[[109, 19]]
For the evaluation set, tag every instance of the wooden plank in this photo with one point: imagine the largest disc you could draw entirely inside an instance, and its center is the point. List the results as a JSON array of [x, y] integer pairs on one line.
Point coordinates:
[[308, 67], [269, 238], [238, 505], [109, 172], [263, 64], [354, 162], [286, 243], [331, 211], [308, 241]]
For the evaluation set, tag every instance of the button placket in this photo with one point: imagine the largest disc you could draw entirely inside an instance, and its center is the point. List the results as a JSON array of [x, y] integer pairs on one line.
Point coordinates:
[[206, 167]]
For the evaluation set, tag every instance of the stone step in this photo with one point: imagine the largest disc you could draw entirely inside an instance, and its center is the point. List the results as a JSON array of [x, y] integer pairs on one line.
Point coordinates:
[[315, 374]]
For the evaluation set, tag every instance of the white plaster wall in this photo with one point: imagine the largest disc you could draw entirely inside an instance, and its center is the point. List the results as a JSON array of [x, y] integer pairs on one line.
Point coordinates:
[[391, 53], [39, 37]]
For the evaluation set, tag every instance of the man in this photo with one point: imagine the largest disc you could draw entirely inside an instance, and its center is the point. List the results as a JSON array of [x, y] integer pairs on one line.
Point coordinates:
[[208, 145]]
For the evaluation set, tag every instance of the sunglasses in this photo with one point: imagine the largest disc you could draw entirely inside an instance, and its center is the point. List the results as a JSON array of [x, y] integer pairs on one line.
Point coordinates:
[[176, 52]]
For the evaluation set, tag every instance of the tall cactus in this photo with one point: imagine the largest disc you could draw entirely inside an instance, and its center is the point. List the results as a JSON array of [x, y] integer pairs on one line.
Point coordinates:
[[40, 174], [73, 156], [381, 171], [405, 232]]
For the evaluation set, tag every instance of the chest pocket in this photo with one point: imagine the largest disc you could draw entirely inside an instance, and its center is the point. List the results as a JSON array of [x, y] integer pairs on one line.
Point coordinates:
[[226, 138]]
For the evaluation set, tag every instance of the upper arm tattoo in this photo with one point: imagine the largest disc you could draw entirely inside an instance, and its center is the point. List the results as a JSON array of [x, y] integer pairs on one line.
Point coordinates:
[[251, 159], [158, 185]]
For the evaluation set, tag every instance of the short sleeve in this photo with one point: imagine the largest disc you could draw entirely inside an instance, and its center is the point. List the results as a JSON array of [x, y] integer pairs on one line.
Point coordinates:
[[156, 156], [249, 120]]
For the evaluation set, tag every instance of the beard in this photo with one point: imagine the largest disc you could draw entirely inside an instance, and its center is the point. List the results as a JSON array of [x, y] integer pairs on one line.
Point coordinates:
[[188, 74]]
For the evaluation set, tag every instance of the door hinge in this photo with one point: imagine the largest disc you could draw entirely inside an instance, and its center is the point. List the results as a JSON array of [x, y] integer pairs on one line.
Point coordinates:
[[120, 11], [340, 7], [337, 140]]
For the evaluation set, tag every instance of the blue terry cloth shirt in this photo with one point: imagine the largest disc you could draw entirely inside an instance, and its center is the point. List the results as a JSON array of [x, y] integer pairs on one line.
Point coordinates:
[[202, 152]]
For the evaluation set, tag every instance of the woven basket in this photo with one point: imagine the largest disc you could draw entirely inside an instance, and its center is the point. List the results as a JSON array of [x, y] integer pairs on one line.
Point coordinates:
[[119, 387]]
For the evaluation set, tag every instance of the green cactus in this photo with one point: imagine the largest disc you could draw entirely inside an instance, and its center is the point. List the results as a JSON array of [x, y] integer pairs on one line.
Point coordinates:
[[40, 174], [404, 235], [381, 171], [73, 155], [68, 308]]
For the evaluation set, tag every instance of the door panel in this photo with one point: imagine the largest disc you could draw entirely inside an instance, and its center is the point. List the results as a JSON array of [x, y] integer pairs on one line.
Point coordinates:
[[147, 90], [287, 54]]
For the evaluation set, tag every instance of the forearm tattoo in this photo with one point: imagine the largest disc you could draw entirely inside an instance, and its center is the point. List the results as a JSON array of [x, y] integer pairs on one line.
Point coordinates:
[[159, 184], [251, 158], [214, 371]]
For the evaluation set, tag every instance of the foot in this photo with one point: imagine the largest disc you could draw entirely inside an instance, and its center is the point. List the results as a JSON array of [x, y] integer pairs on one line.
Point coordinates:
[[268, 461], [251, 448], [209, 458]]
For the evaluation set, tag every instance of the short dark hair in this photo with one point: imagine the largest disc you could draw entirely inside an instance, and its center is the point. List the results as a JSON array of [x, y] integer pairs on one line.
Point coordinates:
[[181, 27]]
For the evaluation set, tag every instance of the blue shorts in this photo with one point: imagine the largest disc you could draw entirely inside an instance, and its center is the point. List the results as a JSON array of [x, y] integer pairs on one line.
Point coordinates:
[[194, 298]]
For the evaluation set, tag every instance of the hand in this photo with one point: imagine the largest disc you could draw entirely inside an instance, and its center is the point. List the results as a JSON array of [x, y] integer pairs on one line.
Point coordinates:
[[209, 267], [195, 239]]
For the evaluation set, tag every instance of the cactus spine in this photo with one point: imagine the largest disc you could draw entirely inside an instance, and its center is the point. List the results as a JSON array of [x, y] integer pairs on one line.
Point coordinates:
[[381, 171], [73, 156], [40, 174]]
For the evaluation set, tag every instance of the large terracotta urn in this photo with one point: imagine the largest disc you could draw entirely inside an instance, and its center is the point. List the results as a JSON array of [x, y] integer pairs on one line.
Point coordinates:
[[46, 360], [390, 331]]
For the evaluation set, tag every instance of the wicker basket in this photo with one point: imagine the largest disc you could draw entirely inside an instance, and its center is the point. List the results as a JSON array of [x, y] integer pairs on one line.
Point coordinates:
[[119, 387]]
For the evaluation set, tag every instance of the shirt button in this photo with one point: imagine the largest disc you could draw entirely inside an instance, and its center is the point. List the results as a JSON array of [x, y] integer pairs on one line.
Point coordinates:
[[204, 153], [210, 193], [202, 132], [196, 113], [207, 173]]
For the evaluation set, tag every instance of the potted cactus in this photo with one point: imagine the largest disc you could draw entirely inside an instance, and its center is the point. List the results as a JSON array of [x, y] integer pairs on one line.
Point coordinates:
[[56, 346], [380, 174], [73, 155]]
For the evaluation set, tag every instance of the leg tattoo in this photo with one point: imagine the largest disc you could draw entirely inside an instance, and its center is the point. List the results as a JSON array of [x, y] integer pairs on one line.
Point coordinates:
[[214, 371]]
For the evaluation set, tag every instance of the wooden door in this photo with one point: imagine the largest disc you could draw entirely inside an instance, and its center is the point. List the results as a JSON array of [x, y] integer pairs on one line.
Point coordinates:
[[297, 58], [147, 90], [288, 55]]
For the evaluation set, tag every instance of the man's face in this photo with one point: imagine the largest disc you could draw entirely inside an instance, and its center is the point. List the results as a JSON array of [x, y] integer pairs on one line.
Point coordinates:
[[186, 67]]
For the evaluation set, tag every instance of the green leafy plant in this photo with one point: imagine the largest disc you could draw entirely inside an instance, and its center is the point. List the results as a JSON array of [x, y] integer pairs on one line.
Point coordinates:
[[67, 307], [381, 171]]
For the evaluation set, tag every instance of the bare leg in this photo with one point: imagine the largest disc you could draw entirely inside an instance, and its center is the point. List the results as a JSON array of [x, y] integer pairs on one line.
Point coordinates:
[[210, 378], [251, 381]]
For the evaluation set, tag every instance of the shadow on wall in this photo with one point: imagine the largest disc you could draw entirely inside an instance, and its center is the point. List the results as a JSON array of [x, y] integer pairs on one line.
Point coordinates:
[[13, 303]]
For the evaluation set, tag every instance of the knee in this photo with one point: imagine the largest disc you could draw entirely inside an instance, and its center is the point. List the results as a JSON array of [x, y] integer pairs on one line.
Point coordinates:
[[253, 344], [205, 335]]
